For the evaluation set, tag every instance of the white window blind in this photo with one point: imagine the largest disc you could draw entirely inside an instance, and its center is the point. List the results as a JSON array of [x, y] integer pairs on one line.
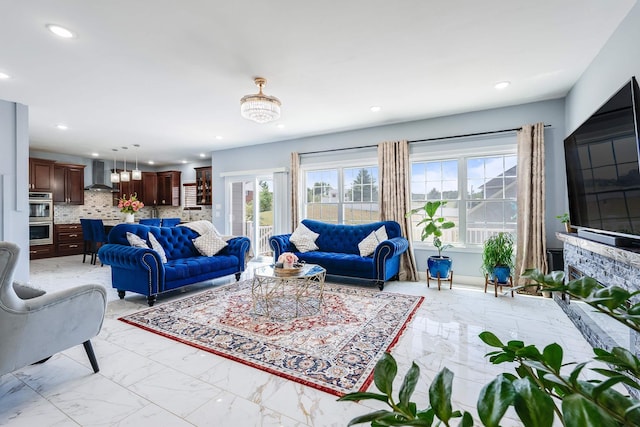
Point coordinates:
[[190, 195]]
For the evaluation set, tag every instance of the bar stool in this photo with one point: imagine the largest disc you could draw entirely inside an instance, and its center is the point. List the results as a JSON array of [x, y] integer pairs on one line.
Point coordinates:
[[150, 221], [87, 237], [170, 222], [99, 238]]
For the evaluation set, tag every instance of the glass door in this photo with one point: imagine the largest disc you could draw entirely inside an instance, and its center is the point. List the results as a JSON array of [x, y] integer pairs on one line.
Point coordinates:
[[251, 211]]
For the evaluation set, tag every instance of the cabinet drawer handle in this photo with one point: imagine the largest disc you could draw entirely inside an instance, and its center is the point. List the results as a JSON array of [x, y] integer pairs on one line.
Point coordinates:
[[73, 246], [73, 235], [33, 252]]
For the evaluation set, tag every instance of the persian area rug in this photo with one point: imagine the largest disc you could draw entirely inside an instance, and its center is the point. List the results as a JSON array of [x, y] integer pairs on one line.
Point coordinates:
[[334, 350]]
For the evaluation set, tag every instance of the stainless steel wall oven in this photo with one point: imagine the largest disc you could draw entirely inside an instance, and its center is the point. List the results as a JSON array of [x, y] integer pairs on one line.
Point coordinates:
[[40, 207], [40, 218]]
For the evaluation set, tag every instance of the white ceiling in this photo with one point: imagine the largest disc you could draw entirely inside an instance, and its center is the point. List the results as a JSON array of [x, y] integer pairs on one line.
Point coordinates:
[[169, 74]]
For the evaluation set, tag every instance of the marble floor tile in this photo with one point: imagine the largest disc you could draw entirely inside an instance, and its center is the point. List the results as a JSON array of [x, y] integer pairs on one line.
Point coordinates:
[[146, 379]]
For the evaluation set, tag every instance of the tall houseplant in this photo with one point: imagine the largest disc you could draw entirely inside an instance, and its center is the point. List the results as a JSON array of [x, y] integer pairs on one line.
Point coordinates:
[[497, 257], [544, 388], [439, 266]]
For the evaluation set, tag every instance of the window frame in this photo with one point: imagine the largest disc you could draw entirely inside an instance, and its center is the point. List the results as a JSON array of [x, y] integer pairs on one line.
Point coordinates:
[[340, 166], [462, 152]]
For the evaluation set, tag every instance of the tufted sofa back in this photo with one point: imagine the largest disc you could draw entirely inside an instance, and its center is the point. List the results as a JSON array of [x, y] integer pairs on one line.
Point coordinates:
[[176, 241], [342, 238]]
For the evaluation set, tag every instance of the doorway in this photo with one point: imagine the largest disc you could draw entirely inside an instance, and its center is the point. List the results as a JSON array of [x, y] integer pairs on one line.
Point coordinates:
[[252, 211]]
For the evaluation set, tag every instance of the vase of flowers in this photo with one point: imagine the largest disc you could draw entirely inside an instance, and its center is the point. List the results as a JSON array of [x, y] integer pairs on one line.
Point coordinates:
[[129, 206], [287, 259]]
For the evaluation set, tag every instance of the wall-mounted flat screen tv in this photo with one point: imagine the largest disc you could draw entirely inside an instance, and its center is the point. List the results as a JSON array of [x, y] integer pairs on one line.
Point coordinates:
[[603, 168]]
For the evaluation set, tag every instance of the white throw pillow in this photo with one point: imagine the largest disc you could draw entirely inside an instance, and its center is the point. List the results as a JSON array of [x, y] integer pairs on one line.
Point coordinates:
[[368, 245], [304, 239], [209, 243], [156, 246], [381, 234], [136, 241]]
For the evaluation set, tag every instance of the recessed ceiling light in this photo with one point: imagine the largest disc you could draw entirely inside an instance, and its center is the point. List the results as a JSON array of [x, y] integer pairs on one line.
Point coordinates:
[[184, 162], [4, 76], [62, 126], [151, 162], [280, 126], [203, 155], [218, 137], [61, 31], [375, 109], [95, 154], [501, 85]]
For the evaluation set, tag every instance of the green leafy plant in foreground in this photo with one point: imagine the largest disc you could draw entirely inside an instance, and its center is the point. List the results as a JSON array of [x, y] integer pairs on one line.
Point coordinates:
[[544, 386]]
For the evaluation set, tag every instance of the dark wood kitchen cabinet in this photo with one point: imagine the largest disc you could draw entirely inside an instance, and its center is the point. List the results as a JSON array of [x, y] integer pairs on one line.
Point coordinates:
[[68, 239], [169, 188], [150, 188], [42, 251], [155, 189], [68, 184], [203, 185], [40, 175]]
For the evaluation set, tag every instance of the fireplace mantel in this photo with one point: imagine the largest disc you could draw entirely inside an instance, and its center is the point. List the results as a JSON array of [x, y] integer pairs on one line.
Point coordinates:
[[627, 256]]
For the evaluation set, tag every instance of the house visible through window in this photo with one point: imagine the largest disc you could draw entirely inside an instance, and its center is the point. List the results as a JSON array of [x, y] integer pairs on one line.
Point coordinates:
[[480, 193]]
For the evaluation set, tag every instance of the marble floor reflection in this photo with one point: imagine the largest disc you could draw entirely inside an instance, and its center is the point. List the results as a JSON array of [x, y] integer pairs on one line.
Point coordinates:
[[147, 380]]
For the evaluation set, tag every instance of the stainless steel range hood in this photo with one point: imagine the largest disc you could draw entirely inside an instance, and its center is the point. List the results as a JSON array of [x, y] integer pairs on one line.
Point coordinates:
[[98, 179]]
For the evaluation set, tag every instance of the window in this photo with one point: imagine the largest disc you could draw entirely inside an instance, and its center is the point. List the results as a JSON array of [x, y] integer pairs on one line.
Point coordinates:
[[480, 192], [190, 195], [347, 195]]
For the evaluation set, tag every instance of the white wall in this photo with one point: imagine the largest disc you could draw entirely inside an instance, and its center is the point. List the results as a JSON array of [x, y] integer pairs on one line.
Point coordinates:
[[467, 263], [618, 60], [14, 181]]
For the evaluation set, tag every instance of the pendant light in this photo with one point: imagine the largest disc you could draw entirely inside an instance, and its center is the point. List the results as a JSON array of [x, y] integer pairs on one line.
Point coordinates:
[[259, 107], [136, 174], [125, 176], [115, 177]]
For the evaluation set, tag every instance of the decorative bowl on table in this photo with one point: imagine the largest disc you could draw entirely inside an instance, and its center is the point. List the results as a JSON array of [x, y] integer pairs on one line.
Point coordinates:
[[281, 270]]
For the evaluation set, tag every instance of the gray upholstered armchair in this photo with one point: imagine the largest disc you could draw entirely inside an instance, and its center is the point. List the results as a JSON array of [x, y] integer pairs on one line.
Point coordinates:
[[35, 325]]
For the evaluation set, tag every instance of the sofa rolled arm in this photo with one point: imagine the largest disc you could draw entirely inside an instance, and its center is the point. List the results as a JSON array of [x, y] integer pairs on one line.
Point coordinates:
[[386, 250], [280, 244], [239, 247], [127, 257]]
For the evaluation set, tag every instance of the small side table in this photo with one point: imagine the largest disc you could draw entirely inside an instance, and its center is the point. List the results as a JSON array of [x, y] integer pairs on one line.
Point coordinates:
[[495, 284], [440, 279]]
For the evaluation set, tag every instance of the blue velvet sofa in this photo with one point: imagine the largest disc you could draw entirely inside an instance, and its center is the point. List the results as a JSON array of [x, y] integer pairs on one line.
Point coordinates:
[[339, 254], [142, 271]]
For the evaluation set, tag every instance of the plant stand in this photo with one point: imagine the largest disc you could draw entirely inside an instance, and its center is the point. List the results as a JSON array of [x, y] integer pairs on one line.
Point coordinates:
[[495, 284], [440, 279]]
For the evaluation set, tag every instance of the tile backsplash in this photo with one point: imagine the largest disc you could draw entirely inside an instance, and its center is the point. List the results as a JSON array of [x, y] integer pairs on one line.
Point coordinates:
[[99, 205]]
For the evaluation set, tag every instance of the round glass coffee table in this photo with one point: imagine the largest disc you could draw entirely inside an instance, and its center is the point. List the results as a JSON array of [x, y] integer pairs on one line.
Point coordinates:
[[284, 297]]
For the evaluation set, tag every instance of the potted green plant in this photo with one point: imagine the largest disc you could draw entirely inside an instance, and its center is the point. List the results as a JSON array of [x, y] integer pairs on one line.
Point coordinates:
[[497, 257], [439, 266], [564, 218]]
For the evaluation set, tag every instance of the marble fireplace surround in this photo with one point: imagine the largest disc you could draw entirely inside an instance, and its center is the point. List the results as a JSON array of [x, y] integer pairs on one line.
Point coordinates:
[[610, 266]]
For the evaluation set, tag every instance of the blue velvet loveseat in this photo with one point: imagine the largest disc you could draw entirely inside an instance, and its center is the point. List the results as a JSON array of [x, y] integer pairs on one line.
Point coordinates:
[[338, 251], [142, 270]]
